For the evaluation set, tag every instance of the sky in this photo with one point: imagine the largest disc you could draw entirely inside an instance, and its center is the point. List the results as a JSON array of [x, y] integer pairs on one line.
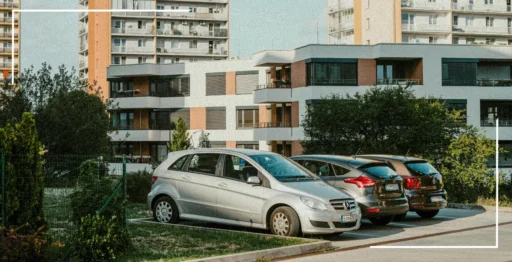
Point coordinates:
[[256, 25]]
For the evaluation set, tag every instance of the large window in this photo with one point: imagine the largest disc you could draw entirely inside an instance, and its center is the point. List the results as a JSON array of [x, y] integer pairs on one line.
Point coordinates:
[[159, 120], [332, 73], [122, 88], [216, 84], [459, 73], [247, 118], [122, 120], [491, 111], [173, 87], [119, 149]]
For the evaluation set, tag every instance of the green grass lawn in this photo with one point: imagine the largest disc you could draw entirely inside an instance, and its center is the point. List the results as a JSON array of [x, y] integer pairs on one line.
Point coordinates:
[[158, 242]]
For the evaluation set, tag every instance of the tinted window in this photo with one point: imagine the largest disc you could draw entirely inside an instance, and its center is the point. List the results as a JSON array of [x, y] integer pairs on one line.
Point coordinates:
[[319, 168], [421, 168], [238, 168], [204, 163], [340, 171], [380, 171], [178, 165], [282, 168]]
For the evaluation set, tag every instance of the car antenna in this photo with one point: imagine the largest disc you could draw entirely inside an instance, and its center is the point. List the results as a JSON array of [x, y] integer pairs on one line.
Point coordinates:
[[406, 154], [354, 156]]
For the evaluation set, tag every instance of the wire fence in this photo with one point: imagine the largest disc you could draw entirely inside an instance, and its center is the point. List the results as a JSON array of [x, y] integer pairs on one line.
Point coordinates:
[[55, 192]]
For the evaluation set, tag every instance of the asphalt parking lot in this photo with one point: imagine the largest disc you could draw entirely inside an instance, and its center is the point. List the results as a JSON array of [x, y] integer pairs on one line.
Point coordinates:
[[452, 227]]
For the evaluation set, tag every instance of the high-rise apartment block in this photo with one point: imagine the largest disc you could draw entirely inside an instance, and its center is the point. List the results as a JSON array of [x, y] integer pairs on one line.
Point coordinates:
[[7, 45], [183, 31], [420, 21]]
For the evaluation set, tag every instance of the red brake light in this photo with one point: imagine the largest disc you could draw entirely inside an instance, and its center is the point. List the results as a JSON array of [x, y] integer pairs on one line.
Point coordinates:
[[373, 210], [361, 182], [412, 183], [153, 179]]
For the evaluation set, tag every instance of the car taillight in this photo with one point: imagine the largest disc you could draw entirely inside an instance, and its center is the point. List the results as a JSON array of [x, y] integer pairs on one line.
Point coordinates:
[[361, 182], [153, 179], [412, 183]]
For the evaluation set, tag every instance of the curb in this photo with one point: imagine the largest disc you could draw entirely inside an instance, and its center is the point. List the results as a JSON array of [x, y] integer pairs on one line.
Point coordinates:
[[271, 254], [479, 207]]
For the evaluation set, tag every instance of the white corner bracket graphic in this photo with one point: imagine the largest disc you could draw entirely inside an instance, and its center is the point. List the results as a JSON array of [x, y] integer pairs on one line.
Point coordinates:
[[15, 11], [496, 175]]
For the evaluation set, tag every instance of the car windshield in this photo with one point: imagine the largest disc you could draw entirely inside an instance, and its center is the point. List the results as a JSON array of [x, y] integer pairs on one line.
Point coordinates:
[[421, 168], [380, 171], [282, 168]]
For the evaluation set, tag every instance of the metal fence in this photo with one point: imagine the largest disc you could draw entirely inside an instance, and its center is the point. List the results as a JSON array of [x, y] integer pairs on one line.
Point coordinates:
[[73, 185]]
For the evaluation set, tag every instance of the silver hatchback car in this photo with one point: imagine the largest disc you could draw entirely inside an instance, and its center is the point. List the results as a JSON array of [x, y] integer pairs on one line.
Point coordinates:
[[249, 188]]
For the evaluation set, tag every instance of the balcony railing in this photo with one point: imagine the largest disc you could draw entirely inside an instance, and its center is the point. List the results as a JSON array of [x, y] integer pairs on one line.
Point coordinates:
[[333, 82], [191, 51], [131, 31], [123, 49], [482, 30], [442, 5], [273, 125], [83, 64], [8, 19], [8, 35], [502, 82], [199, 16], [82, 30], [8, 65], [342, 26], [84, 47], [398, 81], [481, 8], [176, 32], [340, 6], [82, 15], [137, 14], [274, 85], [425, 28], [492, 122], [8, 50], [9, 5]]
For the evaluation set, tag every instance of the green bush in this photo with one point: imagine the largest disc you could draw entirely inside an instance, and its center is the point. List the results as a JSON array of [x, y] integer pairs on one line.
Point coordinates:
[[138, 186], [99, 239], [21, 247]]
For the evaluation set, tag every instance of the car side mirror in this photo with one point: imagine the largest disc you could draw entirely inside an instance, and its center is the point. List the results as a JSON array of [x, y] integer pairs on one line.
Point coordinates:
[[254, 180]]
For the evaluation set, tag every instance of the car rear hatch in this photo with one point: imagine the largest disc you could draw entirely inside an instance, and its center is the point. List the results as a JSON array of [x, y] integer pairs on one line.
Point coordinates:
[[430, 178], [388, 184]]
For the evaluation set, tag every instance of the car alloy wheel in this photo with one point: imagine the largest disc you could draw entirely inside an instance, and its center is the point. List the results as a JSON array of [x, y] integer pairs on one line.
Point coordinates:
[[284, 222], [281, 224], [164, 212]]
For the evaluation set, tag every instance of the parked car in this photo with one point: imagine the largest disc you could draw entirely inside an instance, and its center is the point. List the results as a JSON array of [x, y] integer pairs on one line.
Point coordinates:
[[249, 188], [424, 185], [377, 188]]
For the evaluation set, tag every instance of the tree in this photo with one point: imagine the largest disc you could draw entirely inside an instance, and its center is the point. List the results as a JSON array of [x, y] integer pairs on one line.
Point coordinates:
[[204, 140], [180, 137], [383, 120], [24, 181]]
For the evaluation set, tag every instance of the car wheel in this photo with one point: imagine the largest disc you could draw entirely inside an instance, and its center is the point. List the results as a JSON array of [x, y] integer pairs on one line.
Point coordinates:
[[400, 217], [381, 221], [284, 222], [165, 210], [427, 214]]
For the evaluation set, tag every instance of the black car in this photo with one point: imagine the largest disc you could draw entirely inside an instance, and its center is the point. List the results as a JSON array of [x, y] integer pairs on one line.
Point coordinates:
[[423, 183], [378, 190]]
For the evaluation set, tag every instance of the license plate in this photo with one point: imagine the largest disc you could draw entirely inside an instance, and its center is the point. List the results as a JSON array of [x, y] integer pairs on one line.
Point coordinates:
[[348, 219], [436, 199], [392, 187]]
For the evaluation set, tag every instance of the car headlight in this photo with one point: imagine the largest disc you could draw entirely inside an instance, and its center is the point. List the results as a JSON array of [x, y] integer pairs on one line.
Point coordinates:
[[314, 204]]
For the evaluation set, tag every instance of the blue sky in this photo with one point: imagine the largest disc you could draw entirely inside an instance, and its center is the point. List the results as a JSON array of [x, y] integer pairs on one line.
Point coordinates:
[[255, 25]]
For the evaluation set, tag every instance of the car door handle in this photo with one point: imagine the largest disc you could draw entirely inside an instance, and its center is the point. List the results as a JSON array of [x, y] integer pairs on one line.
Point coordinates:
[[186, 177], [223, 185]]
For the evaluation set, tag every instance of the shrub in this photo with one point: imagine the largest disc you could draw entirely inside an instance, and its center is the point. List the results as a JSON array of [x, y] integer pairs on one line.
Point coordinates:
[[138, 186], [99, 239], [20, 247]]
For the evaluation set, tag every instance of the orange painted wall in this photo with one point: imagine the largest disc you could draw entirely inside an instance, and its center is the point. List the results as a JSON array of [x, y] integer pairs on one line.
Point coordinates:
[[295, 114], [367, 72], [398, 21], [298, 74], [263, 114], [296, 148], [230, 144], [358, 22], [99, 45], [198, 118], [230, 83], [141, 120], [141, 84]]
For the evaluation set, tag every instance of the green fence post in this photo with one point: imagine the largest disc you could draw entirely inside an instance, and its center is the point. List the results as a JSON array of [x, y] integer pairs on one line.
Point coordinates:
[[125, 200], [3, 189]]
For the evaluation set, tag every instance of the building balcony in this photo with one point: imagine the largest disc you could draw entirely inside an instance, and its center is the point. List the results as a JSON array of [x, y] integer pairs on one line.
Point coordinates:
[[339, 7], [488, 30], [481, 8], [278, 131], [191, 51], [8, 20], [346, 26], [193, 16], [425, 5], [83, 64], [132, 31], [8, 65], [7, 5], [502, 82], [401, 82], [133, 14], [272, 95], [82, 30], [140, 135], [8, 35], [130, 102], [82, 15], [221, 33], [426, 28], [8, 50], [195, 1], [486, 122], [276, 84], [132, 50], [84, 47]]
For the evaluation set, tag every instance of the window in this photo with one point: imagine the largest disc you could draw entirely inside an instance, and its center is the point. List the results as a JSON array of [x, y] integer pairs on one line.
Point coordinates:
[[178, 165], [340, 171], [142, 60], [380, 171], [246, 82], [192, 10], [432, 19], [510, 42], [490, 41], [489, 2], [332, 73], [158, 60], [457, 73], [470, 41], [139, 25], [121, 88], [142, 43], [489, 21], [216, 118], [174, 87], [247, 118], [432, 40], [320, 169], [158, 25], [204, 163], [455, 41], [116, 60], [455, 20], [457, 105], [367, 23], [469, 20], [248, 146], [490, 111], [238, 168], [122, 120], [216, 84], [193, 44]]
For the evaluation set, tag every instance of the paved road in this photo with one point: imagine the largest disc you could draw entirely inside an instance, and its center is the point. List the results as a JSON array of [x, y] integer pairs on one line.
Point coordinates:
[[457, 228]]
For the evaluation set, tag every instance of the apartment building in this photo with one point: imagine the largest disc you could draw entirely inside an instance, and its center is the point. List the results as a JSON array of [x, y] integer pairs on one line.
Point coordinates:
[[183, 31], [420, 21], [260, 102], [7, 45]]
